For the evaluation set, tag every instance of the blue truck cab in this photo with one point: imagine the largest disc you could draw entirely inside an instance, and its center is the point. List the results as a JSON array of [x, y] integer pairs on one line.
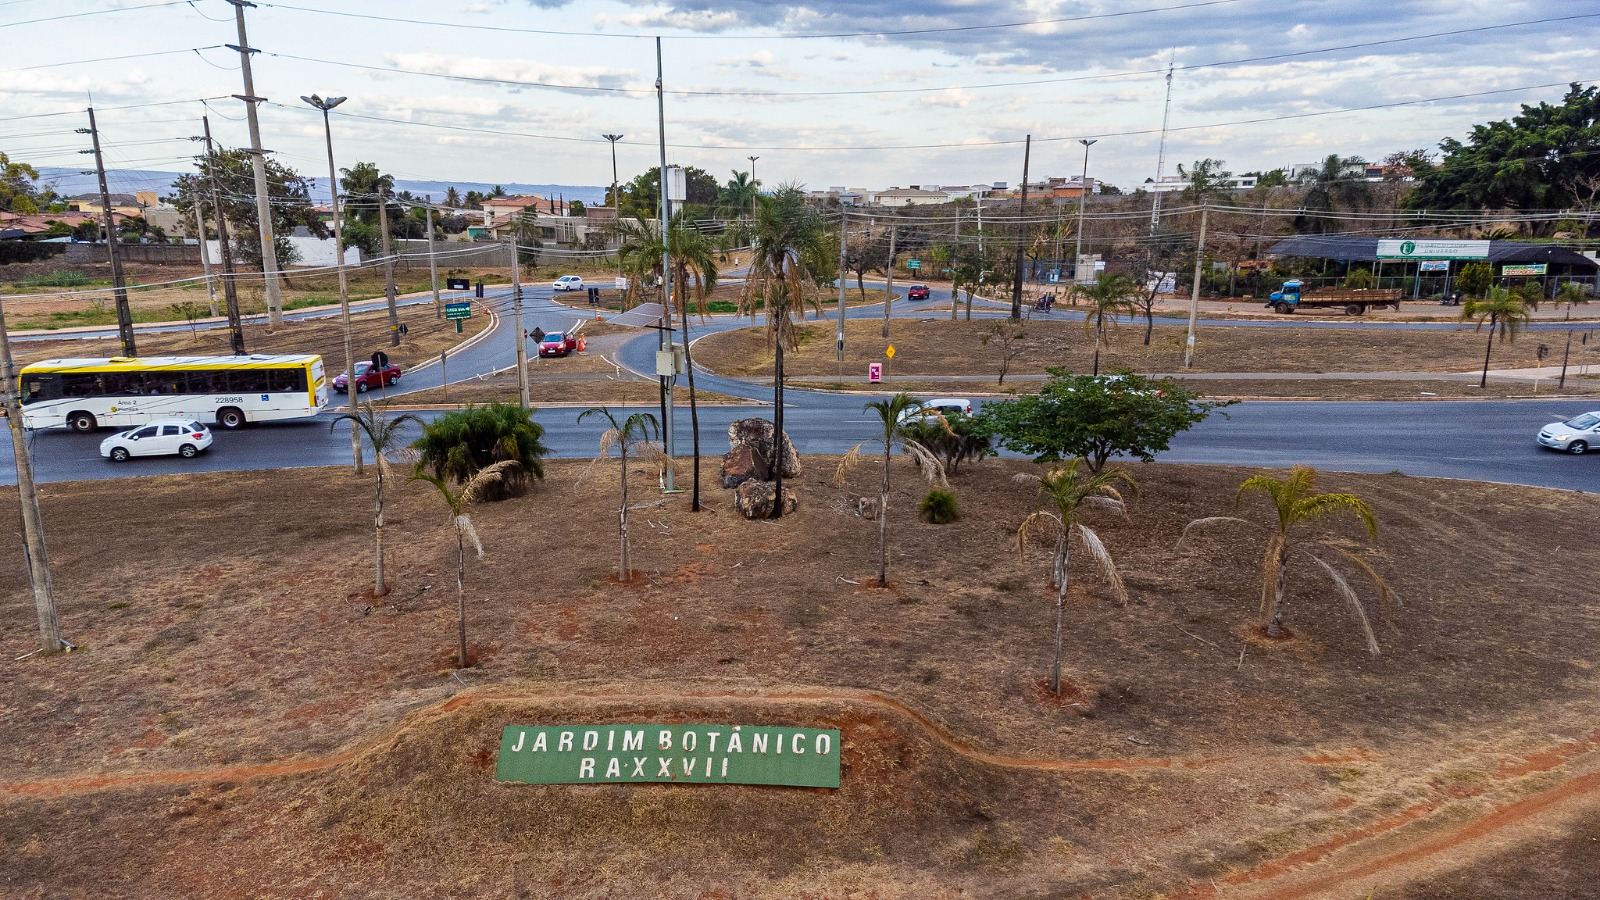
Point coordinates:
[[1290, 294]]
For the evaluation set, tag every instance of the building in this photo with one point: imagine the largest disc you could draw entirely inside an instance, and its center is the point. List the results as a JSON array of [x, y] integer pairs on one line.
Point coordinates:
[[1170, 183]]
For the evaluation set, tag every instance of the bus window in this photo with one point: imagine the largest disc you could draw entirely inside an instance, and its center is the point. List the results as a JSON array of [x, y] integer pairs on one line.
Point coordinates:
[[80, 384], [41, 387], [284, 380], [250, 381]]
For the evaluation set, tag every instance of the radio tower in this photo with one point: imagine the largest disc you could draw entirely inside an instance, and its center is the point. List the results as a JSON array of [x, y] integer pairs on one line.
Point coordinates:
[[1161, 155]]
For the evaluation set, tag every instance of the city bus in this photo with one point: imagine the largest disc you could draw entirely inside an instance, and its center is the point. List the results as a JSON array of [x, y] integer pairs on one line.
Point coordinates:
[[122, 391]]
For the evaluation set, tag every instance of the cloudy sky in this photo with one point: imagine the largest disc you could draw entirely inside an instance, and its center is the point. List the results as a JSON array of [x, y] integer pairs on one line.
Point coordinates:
[[835, 92]]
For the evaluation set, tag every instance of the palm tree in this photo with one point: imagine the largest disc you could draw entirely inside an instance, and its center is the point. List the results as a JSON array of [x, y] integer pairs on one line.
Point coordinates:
[[633, 433], [1502, 312], [452, 197], [639, 253], [1113, 293], [788, 236], [381, 432], [694, 273], [1295, 500], [1334, 184], [458, 444], [894, 412], [458, 502], [1068, 491]]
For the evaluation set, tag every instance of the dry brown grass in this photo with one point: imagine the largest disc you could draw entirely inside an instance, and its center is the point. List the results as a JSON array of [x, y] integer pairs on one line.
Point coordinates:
[[220, 622]]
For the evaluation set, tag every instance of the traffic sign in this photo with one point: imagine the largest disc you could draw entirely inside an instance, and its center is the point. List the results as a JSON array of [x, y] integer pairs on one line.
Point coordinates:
[[458, 310], [913, 263], [889, 352], [458, 284]]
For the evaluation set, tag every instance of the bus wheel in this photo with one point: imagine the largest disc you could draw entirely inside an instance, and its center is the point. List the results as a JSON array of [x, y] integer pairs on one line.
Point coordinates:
[[82, 422], [230, 418]]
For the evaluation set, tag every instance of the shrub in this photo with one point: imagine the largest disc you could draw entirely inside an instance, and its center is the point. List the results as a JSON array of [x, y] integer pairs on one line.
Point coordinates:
[[939, 507], [458, 444]]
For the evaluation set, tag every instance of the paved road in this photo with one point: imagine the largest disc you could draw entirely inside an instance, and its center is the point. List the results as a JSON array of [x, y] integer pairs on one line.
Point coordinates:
[[1480, 440]]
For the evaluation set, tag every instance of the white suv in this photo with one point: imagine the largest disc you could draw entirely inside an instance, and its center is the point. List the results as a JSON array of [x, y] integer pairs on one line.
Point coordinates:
[[939, 406], [568, 283]]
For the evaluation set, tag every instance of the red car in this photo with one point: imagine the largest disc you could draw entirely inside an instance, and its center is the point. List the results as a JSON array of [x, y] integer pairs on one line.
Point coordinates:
[[917, 292], [557, 344], [367, 377]]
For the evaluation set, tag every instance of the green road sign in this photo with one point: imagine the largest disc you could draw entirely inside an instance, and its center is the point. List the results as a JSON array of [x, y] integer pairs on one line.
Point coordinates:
[[913, 263], [458, 310], [689, 754]]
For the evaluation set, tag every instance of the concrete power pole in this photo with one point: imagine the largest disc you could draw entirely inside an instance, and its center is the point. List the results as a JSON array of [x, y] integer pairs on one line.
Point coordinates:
[[35, 555], [1194, 295], [1083, 204], [844, 239], [433, 261], [388, 265], [205, 252], [118, 287], [258, 165], [668, 441], [516, 317], [1022, 215], [888, 287], [230, 289]]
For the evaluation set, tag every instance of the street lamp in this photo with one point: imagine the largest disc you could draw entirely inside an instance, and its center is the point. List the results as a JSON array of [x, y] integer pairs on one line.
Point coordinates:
[[753, 190], [616, 199], [344, 287], [1083, 201]]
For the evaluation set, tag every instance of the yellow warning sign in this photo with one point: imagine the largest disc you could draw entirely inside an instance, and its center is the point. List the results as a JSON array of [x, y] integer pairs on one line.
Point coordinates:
[[889, 352]]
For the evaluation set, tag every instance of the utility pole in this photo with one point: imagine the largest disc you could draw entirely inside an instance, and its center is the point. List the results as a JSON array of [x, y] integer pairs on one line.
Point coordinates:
[[1161, 158], [433, 260], [258, 164], [1194, 295], [205, 252], [230, 289], [888, 292], [1083, 202], [1022, 213], [33, 547], [667, 441], [844, 237], [388, 265], [118, 287], [616, 196], [344, 285], [516, 316]]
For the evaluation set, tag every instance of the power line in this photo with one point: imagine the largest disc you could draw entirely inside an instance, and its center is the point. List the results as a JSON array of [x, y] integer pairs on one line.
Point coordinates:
[[126, 56], [915, 32], [96, 12]]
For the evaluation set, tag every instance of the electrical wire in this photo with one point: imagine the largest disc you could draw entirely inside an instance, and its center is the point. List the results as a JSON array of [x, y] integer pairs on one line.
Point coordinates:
[[101, 59], [95, 12]]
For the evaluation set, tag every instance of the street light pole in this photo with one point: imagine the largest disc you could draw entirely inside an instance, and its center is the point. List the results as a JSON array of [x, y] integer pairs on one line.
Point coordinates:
[[753, 190], [344, 285], [1083, 201], [616, 197]]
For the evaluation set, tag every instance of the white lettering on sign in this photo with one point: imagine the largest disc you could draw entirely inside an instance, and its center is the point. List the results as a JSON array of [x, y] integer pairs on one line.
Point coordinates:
[[539, 744], [521, 736], [632, 740], [712, 737], [758, 742], [665, 770], [638, 766], [611, 740], [664, 740], [735, 742], [586, 767], [614, 768], [591, 740], [564, 743], [824, 744], [798, 744], [689, 741]]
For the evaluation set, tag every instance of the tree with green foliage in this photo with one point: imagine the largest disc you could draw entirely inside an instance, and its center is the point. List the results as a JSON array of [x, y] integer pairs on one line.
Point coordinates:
[[1340, 182], [1068, 492], [288, 191], [642, 195], [1207, 181], [1504, 313], [458, 501], [1538, 159], [1296, 502], [1475, 279], [1095, 417], [1111, 293], [892, 414], [460, 443], [789, 240], [382, 434], [737, 197], [18, 189], [633, 434]]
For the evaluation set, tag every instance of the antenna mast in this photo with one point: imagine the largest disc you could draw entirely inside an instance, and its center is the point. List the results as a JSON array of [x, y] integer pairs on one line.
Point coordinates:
[[1161, 155]]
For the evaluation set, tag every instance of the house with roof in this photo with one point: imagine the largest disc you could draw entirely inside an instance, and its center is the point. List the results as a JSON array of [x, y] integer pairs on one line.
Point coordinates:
[[911, 196], [121, 204]]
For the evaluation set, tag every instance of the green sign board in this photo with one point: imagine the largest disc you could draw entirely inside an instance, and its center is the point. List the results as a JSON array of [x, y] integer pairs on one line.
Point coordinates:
[[913, 263], [1525, 269], [458, 310], [689, 754]]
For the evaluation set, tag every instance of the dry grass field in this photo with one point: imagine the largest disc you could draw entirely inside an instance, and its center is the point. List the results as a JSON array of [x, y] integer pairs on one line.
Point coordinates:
[[242, 720]]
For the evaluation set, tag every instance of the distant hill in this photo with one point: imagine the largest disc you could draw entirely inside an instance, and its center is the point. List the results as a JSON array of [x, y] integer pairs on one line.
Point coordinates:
[[70, 182]]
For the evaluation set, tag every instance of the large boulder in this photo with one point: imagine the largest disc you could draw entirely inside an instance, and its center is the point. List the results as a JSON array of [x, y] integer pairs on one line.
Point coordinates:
[[753, 499], [740, 465], [760, 436]]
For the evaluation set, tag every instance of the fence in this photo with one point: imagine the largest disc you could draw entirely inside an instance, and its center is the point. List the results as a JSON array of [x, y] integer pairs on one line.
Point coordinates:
[[179, 254]]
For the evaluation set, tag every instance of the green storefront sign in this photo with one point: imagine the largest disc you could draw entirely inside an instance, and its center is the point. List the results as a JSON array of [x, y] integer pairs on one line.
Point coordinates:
[[689, 754]]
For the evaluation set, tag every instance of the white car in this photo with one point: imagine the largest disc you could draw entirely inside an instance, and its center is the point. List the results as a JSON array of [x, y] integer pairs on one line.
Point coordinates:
[[939, 406], [162, 437], [567, 283], [1574, 435]]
